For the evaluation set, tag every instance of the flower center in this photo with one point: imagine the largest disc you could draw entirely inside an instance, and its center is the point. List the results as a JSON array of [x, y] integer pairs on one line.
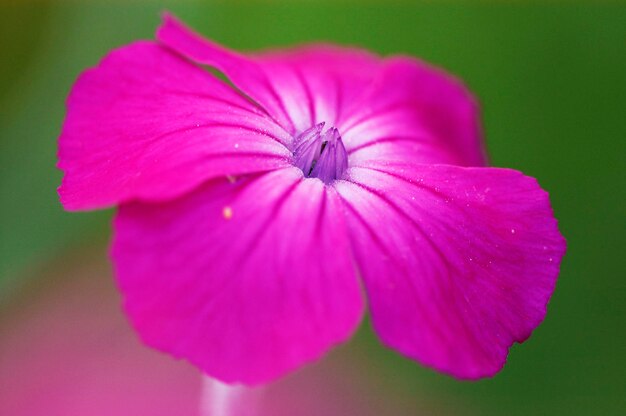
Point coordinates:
[[321, 154]]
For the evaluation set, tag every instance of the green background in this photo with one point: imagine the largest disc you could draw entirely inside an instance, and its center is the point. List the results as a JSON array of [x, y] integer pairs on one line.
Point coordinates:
[[552, 82]]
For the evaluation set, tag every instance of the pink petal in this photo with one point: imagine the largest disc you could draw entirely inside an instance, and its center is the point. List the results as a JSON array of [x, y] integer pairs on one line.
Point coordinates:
[[458, 263], [393, 109], [300, 88], [145, 123], [414, 112], [247, 280], [243, 72], [319, 83]]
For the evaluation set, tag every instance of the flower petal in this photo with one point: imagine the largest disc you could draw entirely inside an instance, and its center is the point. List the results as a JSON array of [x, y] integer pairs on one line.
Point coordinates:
[[300, 88], [146, 123], [458, 263], [414, 112], [393, 109], [242, 71], [319, 83], [247, 280]]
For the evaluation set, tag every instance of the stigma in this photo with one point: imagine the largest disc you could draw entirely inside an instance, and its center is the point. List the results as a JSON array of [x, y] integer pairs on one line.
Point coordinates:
[[321, 154]]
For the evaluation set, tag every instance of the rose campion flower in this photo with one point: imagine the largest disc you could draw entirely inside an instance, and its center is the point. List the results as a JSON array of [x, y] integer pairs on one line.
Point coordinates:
[[255, 217]]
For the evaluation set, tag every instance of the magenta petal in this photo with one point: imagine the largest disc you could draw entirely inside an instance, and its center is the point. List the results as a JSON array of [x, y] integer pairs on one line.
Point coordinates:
[[414, 112], [300, 87], [384, 109], [242, 71], [458, 263], [145, 123], [320, 83], [247, 280]]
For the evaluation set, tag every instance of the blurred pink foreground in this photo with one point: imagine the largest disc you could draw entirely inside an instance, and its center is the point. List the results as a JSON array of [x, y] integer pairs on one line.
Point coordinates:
[[67, 350]]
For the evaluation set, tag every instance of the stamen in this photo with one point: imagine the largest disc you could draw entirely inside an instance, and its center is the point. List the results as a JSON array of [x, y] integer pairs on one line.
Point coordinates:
[[308, 148], [321, 155]]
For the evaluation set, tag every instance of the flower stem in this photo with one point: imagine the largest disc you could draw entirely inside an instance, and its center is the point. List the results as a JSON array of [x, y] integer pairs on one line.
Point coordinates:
[[217, 398]]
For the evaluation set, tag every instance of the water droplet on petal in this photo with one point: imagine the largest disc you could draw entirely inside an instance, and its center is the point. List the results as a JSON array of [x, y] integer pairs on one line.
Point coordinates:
[[227, 212]]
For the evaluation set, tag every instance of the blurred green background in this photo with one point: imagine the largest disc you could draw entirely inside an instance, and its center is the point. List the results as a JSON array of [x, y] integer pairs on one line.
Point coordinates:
[[552, 82]]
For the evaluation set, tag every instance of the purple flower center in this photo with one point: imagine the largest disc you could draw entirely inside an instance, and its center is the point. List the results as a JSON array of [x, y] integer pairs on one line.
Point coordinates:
[[321, 154]]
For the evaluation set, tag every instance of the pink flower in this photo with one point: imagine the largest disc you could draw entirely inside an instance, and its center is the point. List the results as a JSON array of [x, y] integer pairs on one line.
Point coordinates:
[[253, 217]]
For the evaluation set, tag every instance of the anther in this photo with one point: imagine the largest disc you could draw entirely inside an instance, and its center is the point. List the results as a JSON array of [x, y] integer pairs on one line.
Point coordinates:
[[321, 154]]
